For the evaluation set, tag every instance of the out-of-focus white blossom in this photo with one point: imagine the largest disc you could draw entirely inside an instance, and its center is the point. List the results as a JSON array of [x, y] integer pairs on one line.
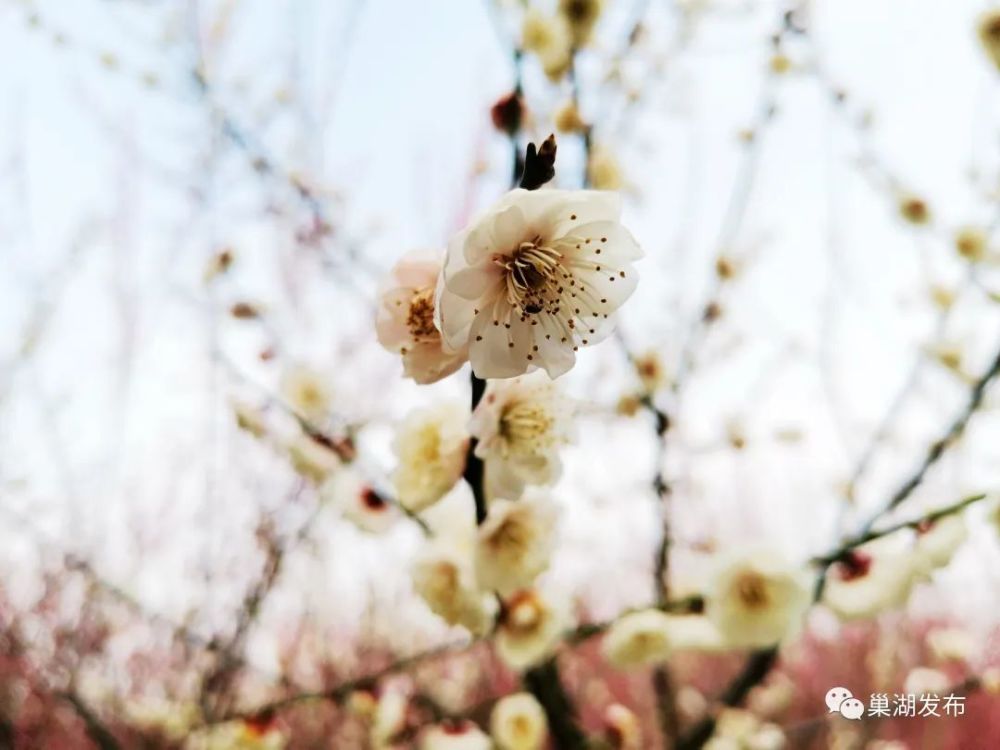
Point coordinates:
[[567, 118], [990, 680], [358, 502], [989, 34], [541, 33], [405, 320], [430, 447], [638, 638], [235, 735], [650, 636], [535, 278], [520, 425], [737, 729], [462, 735], [518, 723], [314, 461], [581, 17], [529, 629], [549, 38], [307, 391], [603, 171], [443, 578], [172, 720], [514, 544], [937, 543], [622, 728], [869, 580], [250, 419], [972, 242], [389, 718], [923, 680], [757, 598], [951, 644]]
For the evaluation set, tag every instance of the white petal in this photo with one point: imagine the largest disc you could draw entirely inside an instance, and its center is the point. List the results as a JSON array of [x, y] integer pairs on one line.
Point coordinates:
[[499, 342], [453, 316], [473, 282], [582, 207], [555, 356], [600, 241]]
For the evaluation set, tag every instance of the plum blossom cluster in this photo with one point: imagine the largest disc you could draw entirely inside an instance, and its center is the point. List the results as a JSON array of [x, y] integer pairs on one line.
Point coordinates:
[[524, 286], [517, 294]]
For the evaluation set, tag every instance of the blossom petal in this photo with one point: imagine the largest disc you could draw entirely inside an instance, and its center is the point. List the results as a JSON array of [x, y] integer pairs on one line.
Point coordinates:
[[606, 241], [499, 342], [473, 282]]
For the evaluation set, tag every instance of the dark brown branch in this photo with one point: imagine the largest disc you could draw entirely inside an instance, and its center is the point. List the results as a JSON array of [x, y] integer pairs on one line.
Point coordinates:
[[914, 523], [474, 469], [545, 684], [98, 733], [942, 444], [755, 670]]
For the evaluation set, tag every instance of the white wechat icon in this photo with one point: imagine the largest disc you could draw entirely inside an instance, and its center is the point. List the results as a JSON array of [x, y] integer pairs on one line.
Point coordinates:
[[852, 708], [836, 696]]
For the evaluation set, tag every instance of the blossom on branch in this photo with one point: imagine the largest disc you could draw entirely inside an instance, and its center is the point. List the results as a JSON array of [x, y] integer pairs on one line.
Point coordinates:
[[462, 735], [307, 391], [534, 279], [311, 459], [520, 425], [405, 320], [581, 17], [756, 599], [622, 728], [529, 629], [358, 501], [938, 541], [518, 723], [638, 638], [514, 544], [431, 446], [871, 579], [443, 578], [549, 38], [650, 636]]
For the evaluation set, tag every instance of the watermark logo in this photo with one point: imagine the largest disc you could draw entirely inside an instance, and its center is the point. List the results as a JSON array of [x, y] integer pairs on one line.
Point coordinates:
[[882, 705], [841, 700]]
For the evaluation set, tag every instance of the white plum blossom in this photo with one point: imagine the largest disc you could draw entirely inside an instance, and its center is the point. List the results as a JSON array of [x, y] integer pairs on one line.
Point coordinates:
[[443, 578], [310, 458], [951, 644], [638, 638], [405, 320], [756, 599], [870, 579], [937, 542], [462, 735], [738, 729], [622, 727], [307, 391], [650, 636], [518, 723], [358, 501], [430, 445], [924, 680], [514, 543], [520, 425], [389, 717], [535, 278], [529, 629]]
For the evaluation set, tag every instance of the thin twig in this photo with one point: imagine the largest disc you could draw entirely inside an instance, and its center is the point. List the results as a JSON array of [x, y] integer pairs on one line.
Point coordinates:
[[98, 733]]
